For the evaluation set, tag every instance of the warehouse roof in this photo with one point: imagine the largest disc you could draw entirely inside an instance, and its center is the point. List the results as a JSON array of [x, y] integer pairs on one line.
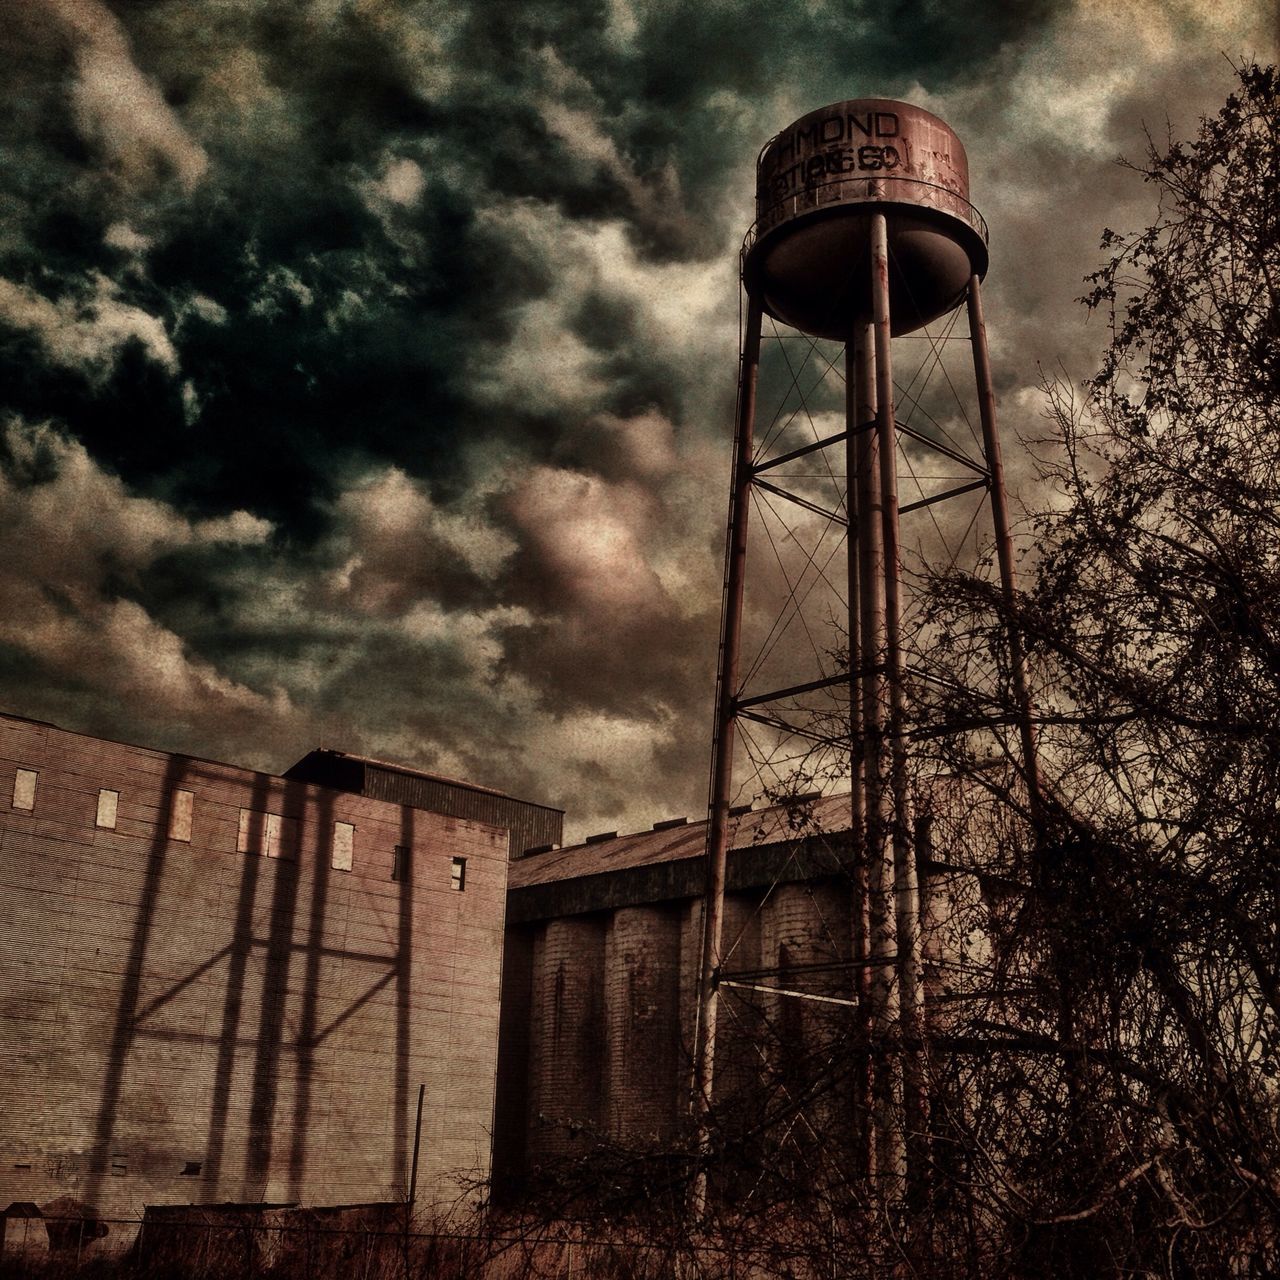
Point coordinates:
[[528, 823], [677, 841]]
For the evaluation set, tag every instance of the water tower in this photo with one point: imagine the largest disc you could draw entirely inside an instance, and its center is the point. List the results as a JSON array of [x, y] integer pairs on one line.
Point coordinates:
[[864, 232]]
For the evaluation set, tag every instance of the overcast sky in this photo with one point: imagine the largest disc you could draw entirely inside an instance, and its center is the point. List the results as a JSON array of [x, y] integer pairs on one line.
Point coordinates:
[[367, 366]]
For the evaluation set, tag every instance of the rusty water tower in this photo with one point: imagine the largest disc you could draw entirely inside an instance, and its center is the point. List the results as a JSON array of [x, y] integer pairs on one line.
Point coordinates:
[[819, 184], [864, 231]]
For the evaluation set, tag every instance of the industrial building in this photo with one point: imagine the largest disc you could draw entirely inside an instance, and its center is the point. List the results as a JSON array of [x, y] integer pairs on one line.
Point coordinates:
[[220, 985], [603, 947], [224, 986], [601, 968]]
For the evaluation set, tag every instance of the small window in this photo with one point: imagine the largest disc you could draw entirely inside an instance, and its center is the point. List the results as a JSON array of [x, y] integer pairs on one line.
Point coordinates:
[[180, 815], [119, 1165], [191, 1169], [252, 834], [24, 789], [269, 834], [458, 875], [400, 863], [282, 837], [343, 843], [108, 803]]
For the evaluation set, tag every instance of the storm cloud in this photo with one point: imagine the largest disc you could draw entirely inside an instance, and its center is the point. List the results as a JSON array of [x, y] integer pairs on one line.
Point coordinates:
[[368, 365]]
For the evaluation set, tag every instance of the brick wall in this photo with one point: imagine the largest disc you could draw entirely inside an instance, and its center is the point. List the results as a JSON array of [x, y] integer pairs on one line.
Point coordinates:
[[597, 1027], [182, 1021]]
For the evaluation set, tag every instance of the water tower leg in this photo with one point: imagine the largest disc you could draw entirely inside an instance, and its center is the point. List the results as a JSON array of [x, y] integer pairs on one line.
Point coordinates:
[[859, 412], [905, 877], [877, 780], [723, 746], [1004, 542]]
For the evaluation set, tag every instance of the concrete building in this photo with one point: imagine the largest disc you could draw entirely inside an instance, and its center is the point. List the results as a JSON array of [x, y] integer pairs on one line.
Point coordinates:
[[601, 966], [220, 985], [602, 960]]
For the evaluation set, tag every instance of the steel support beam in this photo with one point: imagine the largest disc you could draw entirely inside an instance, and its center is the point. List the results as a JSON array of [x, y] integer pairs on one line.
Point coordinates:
[[1004, 544], [859, 407], [723, 747]]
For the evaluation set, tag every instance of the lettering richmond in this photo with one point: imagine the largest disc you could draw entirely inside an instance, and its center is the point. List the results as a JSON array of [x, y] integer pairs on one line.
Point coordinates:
[[807, 155]]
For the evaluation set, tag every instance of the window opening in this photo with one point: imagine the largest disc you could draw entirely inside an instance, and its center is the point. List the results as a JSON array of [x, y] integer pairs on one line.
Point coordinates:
[[180, 815], [458, 875], [270, 834], [343, 845], [24, 789], [400, 863], [108, 804]]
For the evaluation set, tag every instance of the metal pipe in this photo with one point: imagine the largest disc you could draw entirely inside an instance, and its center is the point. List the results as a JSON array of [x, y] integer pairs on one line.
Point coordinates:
[[906, 889], [791, 992], [889, 1163], [859, 385], [722, 749], [1004, 544]]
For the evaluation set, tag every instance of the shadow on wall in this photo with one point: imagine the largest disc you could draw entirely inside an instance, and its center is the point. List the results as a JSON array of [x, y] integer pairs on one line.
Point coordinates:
[[280, 979]]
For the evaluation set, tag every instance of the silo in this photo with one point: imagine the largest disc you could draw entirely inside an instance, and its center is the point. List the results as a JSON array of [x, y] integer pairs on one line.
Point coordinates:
[[566, 1068], [804, 939], [738, 1071], [642, 956], [738, 1062]]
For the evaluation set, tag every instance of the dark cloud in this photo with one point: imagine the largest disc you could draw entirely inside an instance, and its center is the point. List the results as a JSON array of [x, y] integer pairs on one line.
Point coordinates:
[[386, 350]]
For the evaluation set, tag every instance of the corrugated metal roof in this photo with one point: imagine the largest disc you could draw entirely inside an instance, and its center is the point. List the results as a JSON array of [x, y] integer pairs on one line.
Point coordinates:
[[759, 827]]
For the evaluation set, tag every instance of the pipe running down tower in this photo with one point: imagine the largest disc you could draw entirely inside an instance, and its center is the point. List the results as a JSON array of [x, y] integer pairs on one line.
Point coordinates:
[[864, 232]]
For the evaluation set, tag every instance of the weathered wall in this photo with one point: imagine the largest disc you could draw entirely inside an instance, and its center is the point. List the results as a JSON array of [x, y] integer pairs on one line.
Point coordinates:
[[641, 980], [567, 1069], [597, 1023], [599, 1000], [186, 1022]]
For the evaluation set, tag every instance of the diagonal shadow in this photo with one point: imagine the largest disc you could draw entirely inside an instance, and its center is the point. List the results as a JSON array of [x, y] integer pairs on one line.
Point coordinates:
[[122, 1034]]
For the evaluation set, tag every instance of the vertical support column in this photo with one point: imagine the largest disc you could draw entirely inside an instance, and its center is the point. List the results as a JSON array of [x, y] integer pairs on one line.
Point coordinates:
[[860, 408], [1004, 541], [1017, 653], [722, 751], [906, 893], [889, 1165]]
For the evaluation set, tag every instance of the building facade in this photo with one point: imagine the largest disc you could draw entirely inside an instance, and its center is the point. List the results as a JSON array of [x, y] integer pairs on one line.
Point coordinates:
[[603, 952], [601, 966], [221, 985], [218, 985]]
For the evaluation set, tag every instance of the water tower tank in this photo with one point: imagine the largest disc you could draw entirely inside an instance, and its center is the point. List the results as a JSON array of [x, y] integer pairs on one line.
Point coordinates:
[[818, 182]]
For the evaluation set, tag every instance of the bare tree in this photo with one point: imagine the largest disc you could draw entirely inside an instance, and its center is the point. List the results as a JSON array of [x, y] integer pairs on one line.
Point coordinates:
[[1140, 966]]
